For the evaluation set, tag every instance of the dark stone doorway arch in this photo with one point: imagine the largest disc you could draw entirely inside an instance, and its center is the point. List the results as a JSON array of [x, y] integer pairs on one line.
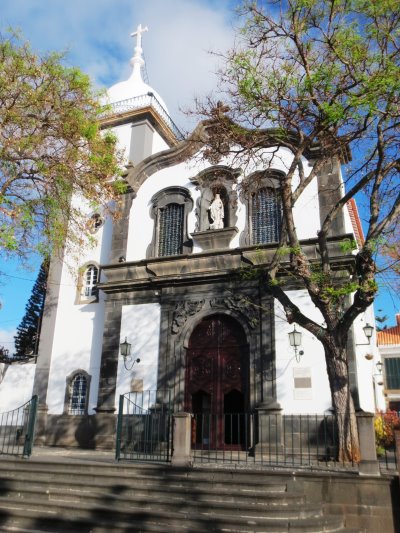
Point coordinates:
[[217, 381]]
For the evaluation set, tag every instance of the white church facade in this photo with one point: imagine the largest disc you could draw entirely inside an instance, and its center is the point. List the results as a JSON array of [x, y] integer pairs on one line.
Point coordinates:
[[167, 277]]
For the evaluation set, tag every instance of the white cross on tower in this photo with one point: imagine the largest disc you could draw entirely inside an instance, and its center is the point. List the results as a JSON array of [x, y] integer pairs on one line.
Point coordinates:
[[138, 34]]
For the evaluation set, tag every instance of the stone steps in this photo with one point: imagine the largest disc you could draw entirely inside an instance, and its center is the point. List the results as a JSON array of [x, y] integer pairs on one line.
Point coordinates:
[[170, 494], [62, 496]]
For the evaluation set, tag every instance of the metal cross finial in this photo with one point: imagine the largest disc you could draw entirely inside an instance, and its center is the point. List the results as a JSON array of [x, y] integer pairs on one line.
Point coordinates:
[[138, 35]]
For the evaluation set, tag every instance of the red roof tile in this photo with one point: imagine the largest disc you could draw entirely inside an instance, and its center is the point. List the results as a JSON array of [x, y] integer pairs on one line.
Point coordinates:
[[390, 335]]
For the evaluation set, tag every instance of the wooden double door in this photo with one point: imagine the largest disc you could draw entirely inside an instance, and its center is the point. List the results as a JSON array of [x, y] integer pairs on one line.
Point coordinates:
[[217, 382]]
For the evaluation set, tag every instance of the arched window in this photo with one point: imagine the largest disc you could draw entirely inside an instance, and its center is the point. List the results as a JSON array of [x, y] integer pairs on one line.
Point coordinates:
[[170, 231], [170, 209], [88, 278], [78, 394], [266, 216], [90, 281]]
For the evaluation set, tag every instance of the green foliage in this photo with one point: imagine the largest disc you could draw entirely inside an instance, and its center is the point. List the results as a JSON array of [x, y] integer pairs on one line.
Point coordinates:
[[286, 250], [120, 186], [348, 245], [51, 147], [334, 294]]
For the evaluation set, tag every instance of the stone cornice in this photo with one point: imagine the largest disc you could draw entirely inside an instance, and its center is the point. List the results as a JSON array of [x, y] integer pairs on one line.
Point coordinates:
[[191, 269], [134, 115]]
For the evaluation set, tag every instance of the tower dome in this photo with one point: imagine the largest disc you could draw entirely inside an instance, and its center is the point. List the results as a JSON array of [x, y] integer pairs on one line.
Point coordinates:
[[134, 87]]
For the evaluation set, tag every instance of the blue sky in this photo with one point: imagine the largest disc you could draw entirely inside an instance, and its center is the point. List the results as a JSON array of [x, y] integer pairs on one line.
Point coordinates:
[[96, 34]]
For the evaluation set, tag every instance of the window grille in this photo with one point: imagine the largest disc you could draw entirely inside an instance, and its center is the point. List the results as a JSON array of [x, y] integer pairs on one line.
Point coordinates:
[[266, 216], [171, 230], [78, 392], [392, 372], [91, 278]]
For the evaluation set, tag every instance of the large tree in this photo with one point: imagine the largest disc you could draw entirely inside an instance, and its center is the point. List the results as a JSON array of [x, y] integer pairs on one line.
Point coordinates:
[[50, 147], [319, 77]]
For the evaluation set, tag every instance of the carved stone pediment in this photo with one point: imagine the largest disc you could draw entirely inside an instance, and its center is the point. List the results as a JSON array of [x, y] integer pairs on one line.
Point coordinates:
[[183, 311], [240, 304]]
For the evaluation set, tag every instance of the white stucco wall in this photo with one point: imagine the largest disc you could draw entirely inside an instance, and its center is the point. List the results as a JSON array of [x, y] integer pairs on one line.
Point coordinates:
[[16, 387], [312, 363], [158, 143], [79, 327], [124, 134], [140, 324], [370, 393], [318, 399]]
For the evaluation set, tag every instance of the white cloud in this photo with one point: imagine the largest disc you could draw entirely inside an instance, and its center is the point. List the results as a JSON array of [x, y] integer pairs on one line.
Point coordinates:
[[96, 32]]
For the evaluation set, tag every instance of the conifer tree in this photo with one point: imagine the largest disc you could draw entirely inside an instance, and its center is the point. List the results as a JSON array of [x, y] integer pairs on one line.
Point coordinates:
[[27, 338]]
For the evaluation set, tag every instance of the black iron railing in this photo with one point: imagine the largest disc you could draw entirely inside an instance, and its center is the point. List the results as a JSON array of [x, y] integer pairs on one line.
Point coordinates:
[[145, 100], [17, 428], [270, 440], [144, 426]]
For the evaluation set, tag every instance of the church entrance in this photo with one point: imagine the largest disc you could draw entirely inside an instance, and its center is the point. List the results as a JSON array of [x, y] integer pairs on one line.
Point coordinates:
[[217, 383]]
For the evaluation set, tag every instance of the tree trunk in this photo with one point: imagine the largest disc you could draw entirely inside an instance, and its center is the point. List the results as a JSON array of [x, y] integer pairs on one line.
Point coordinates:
[[348, 444]]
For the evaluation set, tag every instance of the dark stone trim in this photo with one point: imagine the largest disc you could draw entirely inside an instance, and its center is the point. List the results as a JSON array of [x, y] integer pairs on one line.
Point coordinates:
[[330, 191], [40, 385], [109, 358], [121, 228]]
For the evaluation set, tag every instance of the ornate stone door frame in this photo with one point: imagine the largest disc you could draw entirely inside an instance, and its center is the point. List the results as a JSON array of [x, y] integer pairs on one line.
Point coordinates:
[[180, 319]]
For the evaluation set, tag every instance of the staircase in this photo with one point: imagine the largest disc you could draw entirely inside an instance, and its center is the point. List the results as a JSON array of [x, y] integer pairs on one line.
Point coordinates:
[[60, 495]]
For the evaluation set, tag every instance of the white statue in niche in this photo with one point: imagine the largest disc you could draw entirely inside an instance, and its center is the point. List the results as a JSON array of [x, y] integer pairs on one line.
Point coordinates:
[[217, 213]]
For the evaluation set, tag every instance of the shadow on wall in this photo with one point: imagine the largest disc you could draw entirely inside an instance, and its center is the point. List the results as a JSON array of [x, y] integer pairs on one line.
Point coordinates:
[[72, 431]]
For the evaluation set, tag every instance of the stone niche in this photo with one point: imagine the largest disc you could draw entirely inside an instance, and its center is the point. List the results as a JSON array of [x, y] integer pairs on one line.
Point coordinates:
[[216, 180]]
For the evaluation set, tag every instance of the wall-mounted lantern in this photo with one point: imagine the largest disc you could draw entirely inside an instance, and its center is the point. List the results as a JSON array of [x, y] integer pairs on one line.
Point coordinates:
[[295, 342], [125, 348], [379, 375], [368, 331]]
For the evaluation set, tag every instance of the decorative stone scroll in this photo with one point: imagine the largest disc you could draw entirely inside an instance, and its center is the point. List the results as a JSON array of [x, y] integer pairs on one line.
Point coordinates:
[[183, 311], [238, 303]]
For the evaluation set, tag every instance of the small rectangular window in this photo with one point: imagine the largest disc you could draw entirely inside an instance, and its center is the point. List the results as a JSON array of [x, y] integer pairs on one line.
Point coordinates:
[[392, 372]]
